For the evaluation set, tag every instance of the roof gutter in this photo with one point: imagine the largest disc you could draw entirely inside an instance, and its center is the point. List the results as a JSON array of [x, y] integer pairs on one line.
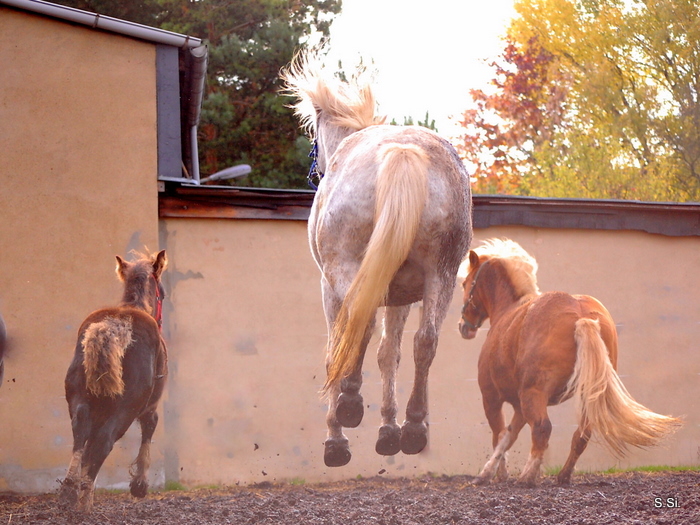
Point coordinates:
[[192, 46], [106, 23]]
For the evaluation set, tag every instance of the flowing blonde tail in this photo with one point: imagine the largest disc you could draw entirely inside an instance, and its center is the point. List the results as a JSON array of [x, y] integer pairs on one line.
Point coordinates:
[[603, 401], [104, 344], [402, 189]]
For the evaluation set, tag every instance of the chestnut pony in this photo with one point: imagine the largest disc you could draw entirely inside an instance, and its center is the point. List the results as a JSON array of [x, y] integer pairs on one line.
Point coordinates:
[[389, 226], [541, 349], [117, 375]]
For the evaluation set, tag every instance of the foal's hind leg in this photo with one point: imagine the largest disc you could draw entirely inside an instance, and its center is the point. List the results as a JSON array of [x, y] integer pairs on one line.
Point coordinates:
[[388, 356], [80, 423], [139, 481], [579, 441]]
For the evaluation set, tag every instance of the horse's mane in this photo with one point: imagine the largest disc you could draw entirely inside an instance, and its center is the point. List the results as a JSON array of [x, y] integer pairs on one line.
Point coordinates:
[[520, 265], [348, 104]]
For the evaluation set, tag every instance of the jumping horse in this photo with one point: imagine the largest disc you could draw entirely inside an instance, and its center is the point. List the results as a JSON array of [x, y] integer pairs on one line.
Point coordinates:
[[389, 225], [117, 375], [542, 349]]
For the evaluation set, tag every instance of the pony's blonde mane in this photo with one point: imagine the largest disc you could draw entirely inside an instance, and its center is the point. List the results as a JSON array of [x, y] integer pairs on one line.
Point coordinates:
[[347, 104], [520, 265]]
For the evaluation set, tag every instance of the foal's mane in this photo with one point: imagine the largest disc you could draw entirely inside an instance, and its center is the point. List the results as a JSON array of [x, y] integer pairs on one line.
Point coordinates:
[[348, 104], [520, 265], [138, 272]]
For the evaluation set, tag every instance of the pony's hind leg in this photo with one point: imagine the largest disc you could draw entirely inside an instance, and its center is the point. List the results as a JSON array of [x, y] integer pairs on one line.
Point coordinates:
[[388, 356], [502, 440], [139, 481], [579, 442], [534, 407]]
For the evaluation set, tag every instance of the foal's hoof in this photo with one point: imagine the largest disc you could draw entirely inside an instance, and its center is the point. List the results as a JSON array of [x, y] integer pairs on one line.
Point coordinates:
[[337, 453], [414, 437], [350, 410], [68, 493], [138, 488], [389, 440]]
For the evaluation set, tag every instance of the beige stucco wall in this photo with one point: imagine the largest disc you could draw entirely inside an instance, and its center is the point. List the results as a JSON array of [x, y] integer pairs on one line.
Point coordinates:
[[77, 186], [246, 336]]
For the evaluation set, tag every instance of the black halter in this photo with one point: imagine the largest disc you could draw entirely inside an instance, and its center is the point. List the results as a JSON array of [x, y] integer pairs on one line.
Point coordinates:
[[470, 301], [314, 172]]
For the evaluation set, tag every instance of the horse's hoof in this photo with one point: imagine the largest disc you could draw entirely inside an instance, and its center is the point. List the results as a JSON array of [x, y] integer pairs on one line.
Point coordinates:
[[138, 488], [350, 410], [414, 437], [389, 440], [337, 453]]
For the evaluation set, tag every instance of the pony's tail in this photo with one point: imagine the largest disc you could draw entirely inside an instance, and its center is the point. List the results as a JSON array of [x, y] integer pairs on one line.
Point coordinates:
[[603, 401], [104, 344], [402, 188]]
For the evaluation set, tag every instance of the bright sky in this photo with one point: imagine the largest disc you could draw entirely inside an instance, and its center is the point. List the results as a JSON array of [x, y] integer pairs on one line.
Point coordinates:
[[428, 53]]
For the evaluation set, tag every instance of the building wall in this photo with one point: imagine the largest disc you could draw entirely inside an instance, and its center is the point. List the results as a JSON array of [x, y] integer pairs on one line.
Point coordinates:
[[246, 336], [77, 186]]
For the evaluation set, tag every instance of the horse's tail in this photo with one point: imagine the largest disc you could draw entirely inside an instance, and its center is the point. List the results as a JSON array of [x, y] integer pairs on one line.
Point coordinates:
[[603, 401], [104, 344], [402, 189]]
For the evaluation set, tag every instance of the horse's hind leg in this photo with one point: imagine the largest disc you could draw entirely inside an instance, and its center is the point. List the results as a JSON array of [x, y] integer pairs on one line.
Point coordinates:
[[579, 441], [139, 481], [388, 356], [414, 433], [350, 409]]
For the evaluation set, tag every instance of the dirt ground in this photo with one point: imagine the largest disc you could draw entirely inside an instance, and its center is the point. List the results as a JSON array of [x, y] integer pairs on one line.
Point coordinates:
[[595, 499]]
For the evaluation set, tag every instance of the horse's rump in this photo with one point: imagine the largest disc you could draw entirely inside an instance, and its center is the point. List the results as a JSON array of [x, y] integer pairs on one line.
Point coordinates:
[[104, 345], [401, 194]]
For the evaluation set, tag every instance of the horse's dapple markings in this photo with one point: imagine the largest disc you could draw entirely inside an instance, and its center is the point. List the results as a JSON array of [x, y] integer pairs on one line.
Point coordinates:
[[389, 226]]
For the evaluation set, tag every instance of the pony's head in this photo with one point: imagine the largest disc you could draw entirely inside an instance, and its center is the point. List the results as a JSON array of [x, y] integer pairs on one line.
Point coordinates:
[[141, 278], [495, 258], [328, 108]]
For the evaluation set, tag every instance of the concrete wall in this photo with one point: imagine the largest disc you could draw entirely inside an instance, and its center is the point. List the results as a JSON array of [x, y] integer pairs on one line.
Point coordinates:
[[77, 186], [246, 336]]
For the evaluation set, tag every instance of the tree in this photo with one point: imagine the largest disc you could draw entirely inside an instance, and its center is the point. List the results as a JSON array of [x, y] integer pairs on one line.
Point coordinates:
[[623, 113], [244, 119]]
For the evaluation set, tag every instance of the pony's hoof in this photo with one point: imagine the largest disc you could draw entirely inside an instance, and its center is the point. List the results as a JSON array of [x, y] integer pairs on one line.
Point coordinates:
[[564, 480], [337, 453], [481, 481], [138, 488], [414, 437], [526, 482], [389, 440], [350, 410]]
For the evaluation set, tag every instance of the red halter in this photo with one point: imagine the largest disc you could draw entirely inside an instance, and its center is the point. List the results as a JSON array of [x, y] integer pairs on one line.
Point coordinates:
[[159, 305]]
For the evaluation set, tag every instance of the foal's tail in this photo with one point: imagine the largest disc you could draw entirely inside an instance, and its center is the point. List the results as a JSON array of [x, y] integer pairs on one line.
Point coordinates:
[[402, 189], [104, 344], [603, 401]]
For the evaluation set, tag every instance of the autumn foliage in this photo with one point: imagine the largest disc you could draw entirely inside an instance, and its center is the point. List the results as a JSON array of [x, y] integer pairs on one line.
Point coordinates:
[[596, 98]]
